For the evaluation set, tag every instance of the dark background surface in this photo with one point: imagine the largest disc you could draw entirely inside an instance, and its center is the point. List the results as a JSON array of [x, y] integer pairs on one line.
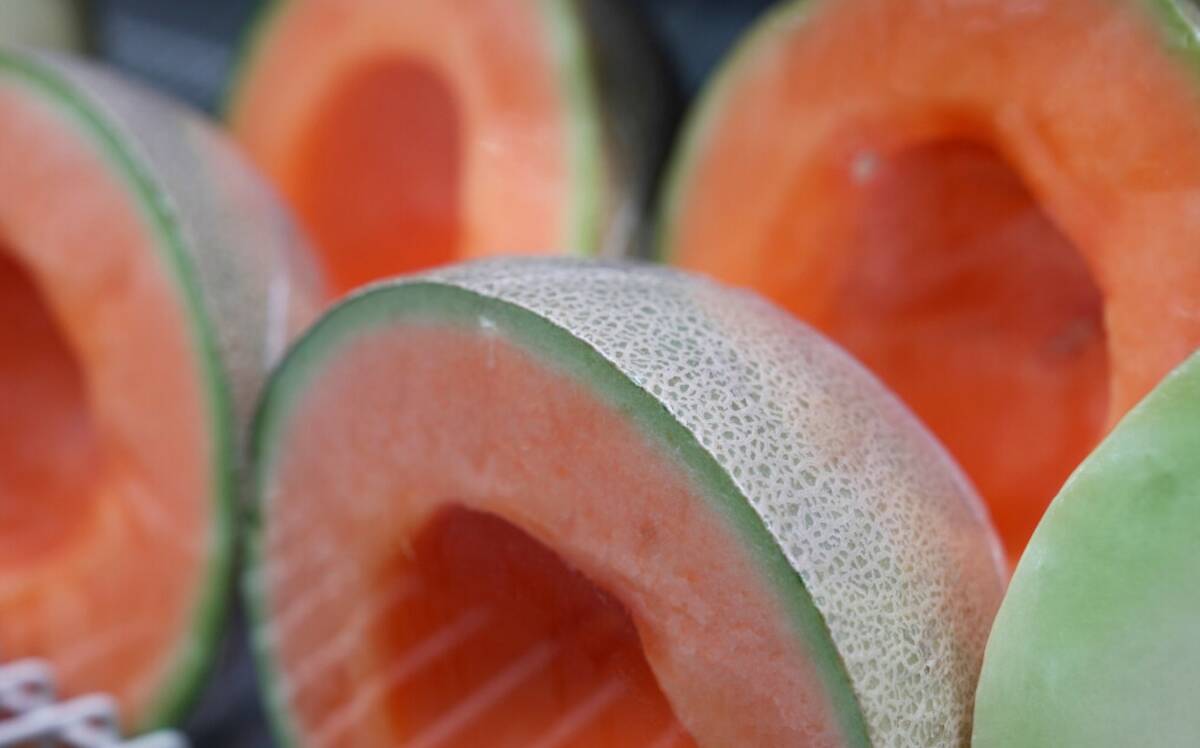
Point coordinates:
[[187, 48]]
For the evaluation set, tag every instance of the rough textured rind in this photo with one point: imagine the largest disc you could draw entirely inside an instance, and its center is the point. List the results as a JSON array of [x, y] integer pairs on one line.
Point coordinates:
[[882, 530], [253, 266], [242, 274], [861, 501], [1096, 642]]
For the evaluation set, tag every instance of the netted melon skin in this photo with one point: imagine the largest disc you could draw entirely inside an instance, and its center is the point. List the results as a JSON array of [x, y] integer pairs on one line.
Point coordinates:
[[253, 266], [886, 534]]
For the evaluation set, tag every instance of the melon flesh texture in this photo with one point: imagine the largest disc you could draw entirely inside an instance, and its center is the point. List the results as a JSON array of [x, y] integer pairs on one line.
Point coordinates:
[[410, 135], [47, 433], [116, 445], [548, 503], [972, 209], [1095, 643]]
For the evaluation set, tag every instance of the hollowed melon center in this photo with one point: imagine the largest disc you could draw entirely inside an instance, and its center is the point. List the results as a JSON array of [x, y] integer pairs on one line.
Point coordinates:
[[524, 632], [464, 541], [48, 443], [958, 290], [380, 171]]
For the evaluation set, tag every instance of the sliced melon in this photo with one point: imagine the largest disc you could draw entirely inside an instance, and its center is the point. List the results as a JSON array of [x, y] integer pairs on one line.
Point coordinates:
[[147, 280], [989, 203], [546, 502], [1096, 642], [411, 134]]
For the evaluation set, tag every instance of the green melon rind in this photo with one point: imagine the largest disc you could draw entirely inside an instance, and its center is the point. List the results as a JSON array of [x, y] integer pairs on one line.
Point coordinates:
[[397, 303], [1097, 641], [195, 655], [585, 135], [698, 121], [580, 92], [1178, 20]]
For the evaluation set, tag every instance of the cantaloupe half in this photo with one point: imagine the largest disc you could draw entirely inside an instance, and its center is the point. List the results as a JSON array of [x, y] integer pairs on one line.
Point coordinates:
[[408, 135], [554, 503], [992, 204], [1096, 641], [147, 280]]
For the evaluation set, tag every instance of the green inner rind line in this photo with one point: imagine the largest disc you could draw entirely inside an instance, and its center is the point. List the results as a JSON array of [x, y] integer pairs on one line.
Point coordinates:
[[585, 138], [698, 123], [1178, 21], [396, 304], [194, 657], [1178, 24], [245, 55]]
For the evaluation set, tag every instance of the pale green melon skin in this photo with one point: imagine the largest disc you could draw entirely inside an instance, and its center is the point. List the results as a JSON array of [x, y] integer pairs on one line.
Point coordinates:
[[227, 245], [1097, 642], [784, 431]]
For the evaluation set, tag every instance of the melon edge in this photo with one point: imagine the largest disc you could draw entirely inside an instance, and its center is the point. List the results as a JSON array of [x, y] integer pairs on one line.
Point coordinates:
[[392, 303], [569, 42], [1177, 21], [1148, 458], [194, 658]]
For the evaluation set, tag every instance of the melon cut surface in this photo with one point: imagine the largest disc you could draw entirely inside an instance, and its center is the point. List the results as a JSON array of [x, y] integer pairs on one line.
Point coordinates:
[[147, 281], [991, 204], [411, 135], [548, 502], [1095, 643]]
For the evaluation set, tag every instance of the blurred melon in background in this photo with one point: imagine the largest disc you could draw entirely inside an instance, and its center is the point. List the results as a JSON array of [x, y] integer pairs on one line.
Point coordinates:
[[57, 24]]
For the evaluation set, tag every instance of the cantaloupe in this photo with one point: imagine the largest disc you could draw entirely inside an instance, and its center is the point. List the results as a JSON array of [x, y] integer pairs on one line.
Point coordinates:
[[549, 503], [1096, 641], [411, 134], [147, 280], [993, 204]]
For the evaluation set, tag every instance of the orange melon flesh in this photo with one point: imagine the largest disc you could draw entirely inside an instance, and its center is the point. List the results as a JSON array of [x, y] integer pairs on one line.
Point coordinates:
[[410, 135], [379, 172], [520, 591], [47, 434], [975, 309], [98, 368], [576, 663], [549, 502], [147, 279], [988, 203]]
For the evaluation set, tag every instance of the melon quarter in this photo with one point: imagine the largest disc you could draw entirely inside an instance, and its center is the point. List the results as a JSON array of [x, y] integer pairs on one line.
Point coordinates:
[[148, 279], [547, 502], [1097, 642], [990, 203]]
